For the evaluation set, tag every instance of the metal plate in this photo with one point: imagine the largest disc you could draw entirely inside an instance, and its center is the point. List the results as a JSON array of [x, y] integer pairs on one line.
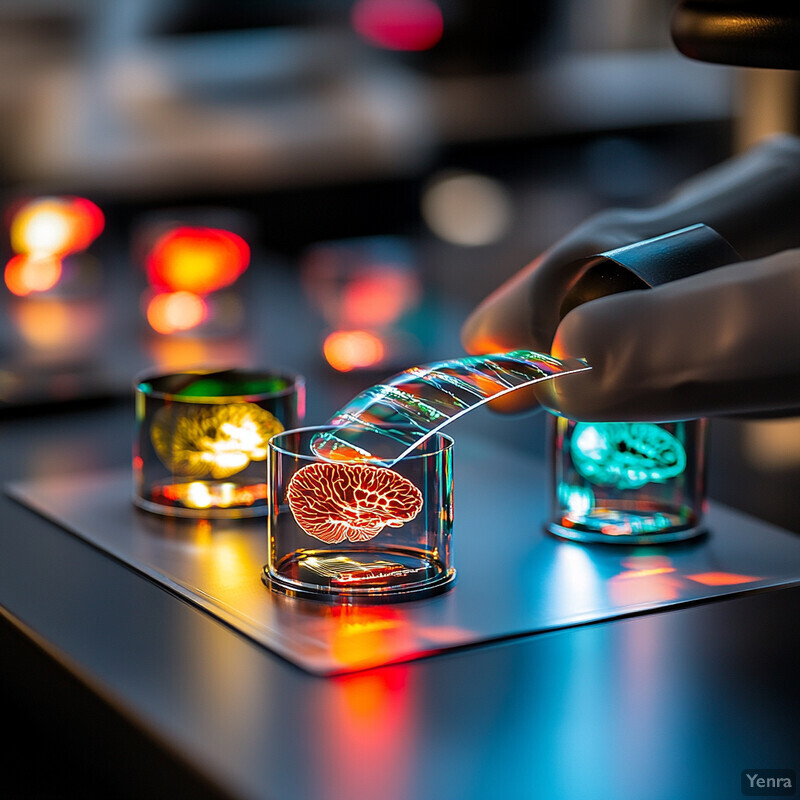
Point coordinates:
[[513, 578]]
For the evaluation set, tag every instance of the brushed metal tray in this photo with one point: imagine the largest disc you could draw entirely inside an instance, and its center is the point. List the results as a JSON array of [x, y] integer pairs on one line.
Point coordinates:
[[513, 578]]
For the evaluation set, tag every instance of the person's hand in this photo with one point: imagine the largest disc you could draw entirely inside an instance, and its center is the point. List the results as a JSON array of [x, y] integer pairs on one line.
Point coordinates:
[[725, 342], [750, 200], [524, 312]]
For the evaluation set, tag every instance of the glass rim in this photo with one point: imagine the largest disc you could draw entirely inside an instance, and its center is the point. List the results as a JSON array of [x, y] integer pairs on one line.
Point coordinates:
[[447, 443], [294, 380]]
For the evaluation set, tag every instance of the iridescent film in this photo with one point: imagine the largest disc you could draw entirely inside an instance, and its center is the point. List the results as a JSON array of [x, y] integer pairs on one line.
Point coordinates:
[[387, 421]]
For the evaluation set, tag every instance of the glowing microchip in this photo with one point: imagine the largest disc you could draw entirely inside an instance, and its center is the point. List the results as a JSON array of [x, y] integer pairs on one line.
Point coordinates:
[[355, 502], [344, 570], [626, 455], [219, 440]]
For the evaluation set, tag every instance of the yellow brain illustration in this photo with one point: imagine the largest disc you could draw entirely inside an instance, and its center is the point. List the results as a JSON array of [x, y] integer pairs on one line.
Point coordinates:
[[216, 440]]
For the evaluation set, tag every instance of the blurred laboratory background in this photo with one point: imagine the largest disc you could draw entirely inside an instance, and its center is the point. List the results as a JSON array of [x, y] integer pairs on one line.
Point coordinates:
[[331, 186]]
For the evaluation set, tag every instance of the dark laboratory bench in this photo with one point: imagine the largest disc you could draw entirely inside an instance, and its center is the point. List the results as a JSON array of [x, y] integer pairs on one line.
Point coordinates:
[[115, 687]]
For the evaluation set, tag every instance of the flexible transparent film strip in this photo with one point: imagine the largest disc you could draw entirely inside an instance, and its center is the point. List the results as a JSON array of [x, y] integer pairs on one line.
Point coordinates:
[[387, 421]]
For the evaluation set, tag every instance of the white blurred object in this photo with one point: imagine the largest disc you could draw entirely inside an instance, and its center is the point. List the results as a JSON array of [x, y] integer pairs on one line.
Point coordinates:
[[110, 104], [229, 109], [772, 445], [467, 209]]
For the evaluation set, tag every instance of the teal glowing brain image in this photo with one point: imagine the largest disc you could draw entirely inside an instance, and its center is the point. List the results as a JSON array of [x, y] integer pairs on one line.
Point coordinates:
[[626, 455]]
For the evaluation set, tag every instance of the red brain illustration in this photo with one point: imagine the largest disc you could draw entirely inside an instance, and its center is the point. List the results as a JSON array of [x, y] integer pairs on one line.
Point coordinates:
[[335, 502]]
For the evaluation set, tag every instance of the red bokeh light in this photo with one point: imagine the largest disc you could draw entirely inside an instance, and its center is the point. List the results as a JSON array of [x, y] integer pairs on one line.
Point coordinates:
[[25, 274], [398, 24], [197, 260], [50, 226], [379, 297]]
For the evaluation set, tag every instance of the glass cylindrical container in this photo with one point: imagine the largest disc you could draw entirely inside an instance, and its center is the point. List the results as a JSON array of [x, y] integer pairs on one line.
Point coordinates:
[[349, 529], [627, 482], [200, 445]]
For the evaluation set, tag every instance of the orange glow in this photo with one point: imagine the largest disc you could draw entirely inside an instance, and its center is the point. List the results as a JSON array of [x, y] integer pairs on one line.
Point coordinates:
[[365, 636], [379, 297], [721, 578], [198, 260], [27, 274], [634, 587], [366, 737], [398, 24], [199, 494], [92, 222], [349, 350], [51, 324], [645, 579], [368, 722], [176, 311], [644, 573], [174, 353], [55, 226]]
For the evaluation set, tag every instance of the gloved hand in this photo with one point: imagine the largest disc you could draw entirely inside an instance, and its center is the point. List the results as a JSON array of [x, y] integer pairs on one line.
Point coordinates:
[[751, 200], [725, 341]]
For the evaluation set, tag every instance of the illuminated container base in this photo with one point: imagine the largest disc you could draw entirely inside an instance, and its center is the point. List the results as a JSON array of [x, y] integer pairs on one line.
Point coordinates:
[[627, 482], [200, 448], [352, 529]]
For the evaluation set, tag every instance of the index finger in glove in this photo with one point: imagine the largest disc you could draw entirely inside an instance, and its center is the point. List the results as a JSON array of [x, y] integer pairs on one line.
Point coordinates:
[[722, 342]]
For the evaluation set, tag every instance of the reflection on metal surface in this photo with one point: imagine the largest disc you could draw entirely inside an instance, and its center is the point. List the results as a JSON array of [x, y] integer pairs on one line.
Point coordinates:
[[626, 455], [722, 578], [647, 578], [644, 573], [573, 580], [354, 502], [220, 439], [367, 722]]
